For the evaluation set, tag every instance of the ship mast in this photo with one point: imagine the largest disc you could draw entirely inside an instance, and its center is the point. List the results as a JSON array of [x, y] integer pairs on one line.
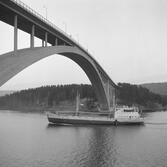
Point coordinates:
[[114, 103], [77, 103]]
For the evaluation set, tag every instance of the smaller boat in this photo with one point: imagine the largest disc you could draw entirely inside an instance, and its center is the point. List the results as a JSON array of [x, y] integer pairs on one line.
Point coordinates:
[[128, 115]]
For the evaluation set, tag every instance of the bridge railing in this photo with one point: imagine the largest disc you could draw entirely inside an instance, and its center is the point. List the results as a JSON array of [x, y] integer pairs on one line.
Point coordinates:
[[36, 14]]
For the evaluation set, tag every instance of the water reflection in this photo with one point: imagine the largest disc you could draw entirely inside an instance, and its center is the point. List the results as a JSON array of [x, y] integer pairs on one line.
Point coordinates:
[[102, 149], [28, 140], [98, 146], [93, 145]]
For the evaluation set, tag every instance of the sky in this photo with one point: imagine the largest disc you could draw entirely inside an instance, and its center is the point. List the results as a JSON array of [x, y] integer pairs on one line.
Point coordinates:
[[127, 37]]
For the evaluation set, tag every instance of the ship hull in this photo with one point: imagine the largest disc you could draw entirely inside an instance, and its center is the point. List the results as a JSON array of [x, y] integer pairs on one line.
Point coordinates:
[[130, 122], [82, 120]]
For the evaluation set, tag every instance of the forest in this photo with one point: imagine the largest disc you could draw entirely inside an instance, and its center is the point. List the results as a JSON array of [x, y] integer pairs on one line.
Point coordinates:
[[47, 96], [129, 94], [52, 96]]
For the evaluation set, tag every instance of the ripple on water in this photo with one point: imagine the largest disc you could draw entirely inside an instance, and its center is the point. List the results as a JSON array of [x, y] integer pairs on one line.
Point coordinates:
[[27, 140]]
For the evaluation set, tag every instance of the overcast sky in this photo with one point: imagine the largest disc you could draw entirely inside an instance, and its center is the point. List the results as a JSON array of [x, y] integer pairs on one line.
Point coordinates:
[[127, 37]]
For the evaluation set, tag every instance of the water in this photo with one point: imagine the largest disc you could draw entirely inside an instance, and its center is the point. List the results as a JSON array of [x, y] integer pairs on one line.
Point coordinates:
[[26, 140]]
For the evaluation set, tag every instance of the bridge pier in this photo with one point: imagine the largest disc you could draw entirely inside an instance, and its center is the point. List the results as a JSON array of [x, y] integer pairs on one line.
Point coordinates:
[[56, 42], [110, 93], [15, 33], [32, 36], [46, 39], [42, 43]]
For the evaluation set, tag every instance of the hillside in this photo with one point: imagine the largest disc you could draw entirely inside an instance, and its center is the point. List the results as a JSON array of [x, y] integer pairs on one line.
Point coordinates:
[[158, 88], [63, 97], [137, 95]]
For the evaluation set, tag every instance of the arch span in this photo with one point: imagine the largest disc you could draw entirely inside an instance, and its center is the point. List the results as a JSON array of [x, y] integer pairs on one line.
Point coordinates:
[[12, 63]]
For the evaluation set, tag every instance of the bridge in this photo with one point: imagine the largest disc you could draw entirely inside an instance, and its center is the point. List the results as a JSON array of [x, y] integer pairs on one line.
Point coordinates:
[[21, 16]]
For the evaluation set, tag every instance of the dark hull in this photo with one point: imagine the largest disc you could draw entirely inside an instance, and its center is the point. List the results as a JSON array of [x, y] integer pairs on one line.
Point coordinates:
[[92, 121], [80, 121], [129, 123]]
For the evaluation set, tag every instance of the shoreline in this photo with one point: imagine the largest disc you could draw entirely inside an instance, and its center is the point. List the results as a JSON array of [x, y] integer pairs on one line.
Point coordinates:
[[65, 109]]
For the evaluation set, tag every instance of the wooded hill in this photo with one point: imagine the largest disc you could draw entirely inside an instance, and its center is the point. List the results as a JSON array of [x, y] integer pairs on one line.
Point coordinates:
[[158, 88], [133, 94], [52, 96], [48, 96]]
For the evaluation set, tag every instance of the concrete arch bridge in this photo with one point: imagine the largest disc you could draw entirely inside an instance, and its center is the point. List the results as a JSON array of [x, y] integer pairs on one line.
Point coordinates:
[[20, 16]]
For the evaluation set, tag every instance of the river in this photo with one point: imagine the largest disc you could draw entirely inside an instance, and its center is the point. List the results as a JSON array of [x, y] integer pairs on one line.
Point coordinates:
[[26, 140]]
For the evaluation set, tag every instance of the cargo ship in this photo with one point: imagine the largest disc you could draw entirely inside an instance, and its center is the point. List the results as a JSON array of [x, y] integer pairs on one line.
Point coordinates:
[[122, 115]]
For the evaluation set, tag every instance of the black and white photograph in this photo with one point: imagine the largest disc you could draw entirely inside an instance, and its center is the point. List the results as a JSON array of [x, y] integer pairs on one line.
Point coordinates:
[[83, 83]]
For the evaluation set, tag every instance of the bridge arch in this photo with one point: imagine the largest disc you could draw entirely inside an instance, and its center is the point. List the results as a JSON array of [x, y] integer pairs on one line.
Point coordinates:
[[12, 63]]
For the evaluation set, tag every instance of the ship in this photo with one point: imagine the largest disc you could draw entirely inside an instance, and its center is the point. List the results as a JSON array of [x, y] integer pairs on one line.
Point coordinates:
[[123, 115]]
